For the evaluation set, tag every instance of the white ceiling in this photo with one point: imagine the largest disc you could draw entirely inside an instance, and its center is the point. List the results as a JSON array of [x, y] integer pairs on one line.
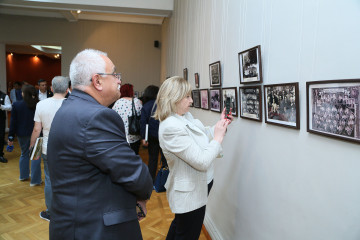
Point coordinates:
[[130, 11]]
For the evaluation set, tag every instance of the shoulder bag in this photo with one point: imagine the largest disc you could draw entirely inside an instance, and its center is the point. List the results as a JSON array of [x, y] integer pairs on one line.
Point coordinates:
[[134, 121]]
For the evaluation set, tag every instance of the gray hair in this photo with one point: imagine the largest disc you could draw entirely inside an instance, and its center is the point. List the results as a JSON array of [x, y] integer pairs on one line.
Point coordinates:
[[85, 64], [60, 84]]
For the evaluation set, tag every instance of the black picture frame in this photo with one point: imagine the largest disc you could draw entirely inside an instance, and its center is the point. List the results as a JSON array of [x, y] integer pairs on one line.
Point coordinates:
[[185, 74], [333, 109], [281, 104], [250, 103], [196, 98], [215, 99], [250, 70], [215, 74], [197, 80], [204, 99], [231, 93]]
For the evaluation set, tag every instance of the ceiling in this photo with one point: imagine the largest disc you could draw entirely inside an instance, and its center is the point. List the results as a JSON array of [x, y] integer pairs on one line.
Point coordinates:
[[130, 11]]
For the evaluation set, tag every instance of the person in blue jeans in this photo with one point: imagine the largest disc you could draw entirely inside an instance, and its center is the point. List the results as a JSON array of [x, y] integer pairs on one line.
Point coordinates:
[[21, 125], [44, 115]]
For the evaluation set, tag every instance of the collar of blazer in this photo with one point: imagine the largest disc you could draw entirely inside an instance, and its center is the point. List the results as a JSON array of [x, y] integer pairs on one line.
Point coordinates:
[[189, 122]]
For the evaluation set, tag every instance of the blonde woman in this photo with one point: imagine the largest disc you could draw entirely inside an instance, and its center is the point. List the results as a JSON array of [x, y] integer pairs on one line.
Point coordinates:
[[190, 149]]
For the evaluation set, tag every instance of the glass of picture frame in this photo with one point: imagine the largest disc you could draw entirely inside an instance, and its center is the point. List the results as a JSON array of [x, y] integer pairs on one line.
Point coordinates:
[[185, 73], [333, 108], [281, 104], [250, 103], [250, 65], [215, 99], [204, 98], [196, 98], [215, 74], [230, 94], [197, 80]]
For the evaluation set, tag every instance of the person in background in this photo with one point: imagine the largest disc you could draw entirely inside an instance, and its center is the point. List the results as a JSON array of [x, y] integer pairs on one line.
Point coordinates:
[[190, 149], [44, 93], [123, 107], [5, 105], [44, 114], [21, 125], [15, 93], [96, 178], [69, 88], [147, 112]]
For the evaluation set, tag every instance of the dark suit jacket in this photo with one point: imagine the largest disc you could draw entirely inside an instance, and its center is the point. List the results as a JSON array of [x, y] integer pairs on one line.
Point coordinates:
[[96, 177]]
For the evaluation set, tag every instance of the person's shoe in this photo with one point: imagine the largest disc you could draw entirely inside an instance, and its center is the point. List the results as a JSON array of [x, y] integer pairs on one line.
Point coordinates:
[[45, 215], [35, 184], [3, 160]]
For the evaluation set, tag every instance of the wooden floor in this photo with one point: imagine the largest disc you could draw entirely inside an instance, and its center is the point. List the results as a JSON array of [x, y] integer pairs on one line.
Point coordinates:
[[21, 204]]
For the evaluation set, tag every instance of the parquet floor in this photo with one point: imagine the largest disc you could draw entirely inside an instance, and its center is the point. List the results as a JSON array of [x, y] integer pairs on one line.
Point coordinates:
[[21, 204]]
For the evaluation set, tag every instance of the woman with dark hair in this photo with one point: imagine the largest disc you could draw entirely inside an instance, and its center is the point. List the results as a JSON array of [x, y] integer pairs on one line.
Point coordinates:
[[149, 108], [123, 107], [21, 125]]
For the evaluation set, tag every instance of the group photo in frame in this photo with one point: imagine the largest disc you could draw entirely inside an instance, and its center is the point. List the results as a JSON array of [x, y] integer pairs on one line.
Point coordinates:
[[196, 98], [250, 103], [185, 74], [230, 95], [333, 108], [215, 100], [204, 99], [282, 104], [215, 74], [250, 65], [197, 83]]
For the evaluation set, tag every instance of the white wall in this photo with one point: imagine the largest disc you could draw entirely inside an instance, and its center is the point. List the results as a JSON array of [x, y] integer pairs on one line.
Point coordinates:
[[275, 183], [129, 46]]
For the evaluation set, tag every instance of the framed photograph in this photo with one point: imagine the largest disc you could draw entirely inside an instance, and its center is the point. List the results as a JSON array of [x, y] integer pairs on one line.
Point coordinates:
[[282, 104], [185, 73], [250, 65], [215, 100], [215, 74], [333, 108], [204, 97], [197, 84], [250, 103], [229, 96], [196, 98]]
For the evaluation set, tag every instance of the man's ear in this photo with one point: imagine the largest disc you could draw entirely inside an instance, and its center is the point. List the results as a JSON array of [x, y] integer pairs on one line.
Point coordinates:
[[51, 89], [97, 82]]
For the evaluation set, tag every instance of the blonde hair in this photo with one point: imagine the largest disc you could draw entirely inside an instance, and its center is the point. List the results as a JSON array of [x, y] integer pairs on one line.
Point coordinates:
[[172, 91]]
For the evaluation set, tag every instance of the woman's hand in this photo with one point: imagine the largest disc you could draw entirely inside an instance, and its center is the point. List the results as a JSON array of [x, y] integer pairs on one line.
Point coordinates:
[[229, 116], [220, 129]]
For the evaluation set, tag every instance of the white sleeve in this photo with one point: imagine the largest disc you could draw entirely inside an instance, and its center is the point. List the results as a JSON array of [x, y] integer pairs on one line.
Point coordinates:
[[7, 105]]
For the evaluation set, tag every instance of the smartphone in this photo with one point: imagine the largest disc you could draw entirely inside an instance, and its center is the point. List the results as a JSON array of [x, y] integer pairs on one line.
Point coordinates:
[[227, 105], [140, 212]]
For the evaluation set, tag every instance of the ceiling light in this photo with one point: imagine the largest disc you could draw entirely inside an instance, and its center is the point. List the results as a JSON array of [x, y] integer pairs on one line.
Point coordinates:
[[11, 54], [78, 11]]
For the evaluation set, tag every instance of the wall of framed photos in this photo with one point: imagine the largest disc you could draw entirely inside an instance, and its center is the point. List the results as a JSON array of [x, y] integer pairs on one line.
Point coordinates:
[[275, 181]]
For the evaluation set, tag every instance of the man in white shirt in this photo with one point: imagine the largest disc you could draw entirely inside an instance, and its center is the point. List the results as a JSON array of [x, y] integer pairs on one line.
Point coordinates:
[[44, 114], [5, 105], [43, 91]]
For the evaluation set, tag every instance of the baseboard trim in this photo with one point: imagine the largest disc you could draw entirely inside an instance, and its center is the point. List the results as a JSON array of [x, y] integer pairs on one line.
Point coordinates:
[[211, 229]]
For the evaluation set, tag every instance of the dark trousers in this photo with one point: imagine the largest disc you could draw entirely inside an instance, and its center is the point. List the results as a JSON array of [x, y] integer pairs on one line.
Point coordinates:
[[2, 135], [154, 149], [187, 226], [135, 147]]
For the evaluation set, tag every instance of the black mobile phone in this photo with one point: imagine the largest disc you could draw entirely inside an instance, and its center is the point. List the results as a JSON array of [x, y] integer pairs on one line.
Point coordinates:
[[140, 212], [227, 105]]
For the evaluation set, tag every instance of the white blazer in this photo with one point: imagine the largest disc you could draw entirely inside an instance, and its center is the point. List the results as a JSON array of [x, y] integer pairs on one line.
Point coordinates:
[[189, 152]]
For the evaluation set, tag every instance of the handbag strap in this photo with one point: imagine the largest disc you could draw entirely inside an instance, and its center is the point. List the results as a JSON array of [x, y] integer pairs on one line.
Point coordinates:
[[133, 108]]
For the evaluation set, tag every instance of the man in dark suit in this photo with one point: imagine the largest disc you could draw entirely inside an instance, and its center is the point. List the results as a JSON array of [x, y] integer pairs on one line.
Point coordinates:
[[96, 178]]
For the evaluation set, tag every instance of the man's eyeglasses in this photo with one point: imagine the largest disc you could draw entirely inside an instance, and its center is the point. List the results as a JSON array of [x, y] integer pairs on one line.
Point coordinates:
[[117, 75]]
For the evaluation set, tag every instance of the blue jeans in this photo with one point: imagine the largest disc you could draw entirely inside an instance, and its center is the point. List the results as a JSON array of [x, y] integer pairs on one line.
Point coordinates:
[[25, 161], [47, 188]]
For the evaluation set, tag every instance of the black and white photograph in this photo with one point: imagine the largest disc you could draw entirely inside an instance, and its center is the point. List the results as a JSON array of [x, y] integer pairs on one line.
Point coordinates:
[[229, 98], [204, 97], [196, 98], [197, 84], [333, 108], [250, 65], [215, 74], [250, 103], [185, 74], [215, 100], [282, 104]]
